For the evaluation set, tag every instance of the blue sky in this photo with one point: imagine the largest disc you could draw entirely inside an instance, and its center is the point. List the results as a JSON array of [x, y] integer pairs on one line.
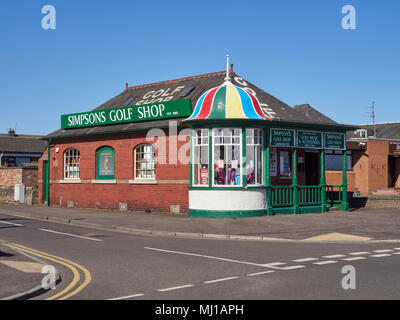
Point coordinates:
[[294, 50]]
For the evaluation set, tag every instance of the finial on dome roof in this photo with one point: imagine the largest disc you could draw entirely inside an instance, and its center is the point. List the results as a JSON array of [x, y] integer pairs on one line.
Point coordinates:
[[227, 68]]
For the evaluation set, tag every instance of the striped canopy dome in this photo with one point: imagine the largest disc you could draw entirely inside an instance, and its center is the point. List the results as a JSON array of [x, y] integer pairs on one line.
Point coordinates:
[[227, 102]]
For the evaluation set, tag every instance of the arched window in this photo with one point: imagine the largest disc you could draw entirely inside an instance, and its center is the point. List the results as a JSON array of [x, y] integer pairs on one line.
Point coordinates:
[[144, 165], [105, 164], [71, 164]]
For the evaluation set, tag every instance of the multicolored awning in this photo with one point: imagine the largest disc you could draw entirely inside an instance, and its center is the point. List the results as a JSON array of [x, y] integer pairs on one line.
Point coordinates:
[[227, 102]]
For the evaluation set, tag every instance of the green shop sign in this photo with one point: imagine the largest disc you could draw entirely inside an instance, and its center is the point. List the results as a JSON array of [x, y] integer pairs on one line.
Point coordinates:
[[309, 139], [155, 111], [282, 138], [334, 140]]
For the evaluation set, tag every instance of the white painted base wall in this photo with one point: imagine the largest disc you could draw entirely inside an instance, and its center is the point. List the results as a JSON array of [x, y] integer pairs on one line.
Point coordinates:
[[250, 199]]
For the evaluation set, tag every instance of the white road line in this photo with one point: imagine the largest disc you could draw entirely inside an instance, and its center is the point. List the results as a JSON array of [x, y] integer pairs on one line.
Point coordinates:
[[324, 262], [382, 251], [205, 256], [259, 273], [396, 252], [293, 267], [334, 256], [219, 280], [354, 259], [71, 235], [273, 264], [128, 297], [359, 253], [305, 260], [176, 288], [396, 248], [380, 255], [13, 224]]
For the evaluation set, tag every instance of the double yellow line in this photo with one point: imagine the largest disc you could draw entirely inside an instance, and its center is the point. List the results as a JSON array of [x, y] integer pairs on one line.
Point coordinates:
[[69, 291]]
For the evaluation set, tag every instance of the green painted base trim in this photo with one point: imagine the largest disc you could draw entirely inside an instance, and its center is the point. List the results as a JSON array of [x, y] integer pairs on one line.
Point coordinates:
[[196, 213], [227, 188], [301, 210]]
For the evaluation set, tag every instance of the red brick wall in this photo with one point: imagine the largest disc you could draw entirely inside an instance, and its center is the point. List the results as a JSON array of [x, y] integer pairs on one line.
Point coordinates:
[[157, 197], [10, 176]]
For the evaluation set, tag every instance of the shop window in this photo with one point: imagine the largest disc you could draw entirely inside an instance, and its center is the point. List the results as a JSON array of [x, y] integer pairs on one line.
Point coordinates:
[[273, 162], [200, 149], [71, 164], [334, 160], [226, 157], [144, 162], [105, 163], [285, 164], [253, 156]]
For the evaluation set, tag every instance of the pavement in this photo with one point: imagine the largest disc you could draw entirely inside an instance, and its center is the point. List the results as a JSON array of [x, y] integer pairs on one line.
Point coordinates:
[[358, 225]]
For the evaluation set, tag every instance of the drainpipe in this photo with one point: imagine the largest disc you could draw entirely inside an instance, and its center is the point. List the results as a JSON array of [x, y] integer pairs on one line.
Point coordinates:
[[47, 183]]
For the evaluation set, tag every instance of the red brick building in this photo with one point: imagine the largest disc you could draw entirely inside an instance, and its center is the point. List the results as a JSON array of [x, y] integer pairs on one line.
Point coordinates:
[[133, 152]]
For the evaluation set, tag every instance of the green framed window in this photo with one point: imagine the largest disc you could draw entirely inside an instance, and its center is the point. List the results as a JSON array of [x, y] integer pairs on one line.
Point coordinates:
[[105, 159], [254, 147], [200, 157]]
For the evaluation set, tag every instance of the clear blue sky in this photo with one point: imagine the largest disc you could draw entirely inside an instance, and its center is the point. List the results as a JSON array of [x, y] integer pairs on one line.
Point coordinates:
[[294, 50]]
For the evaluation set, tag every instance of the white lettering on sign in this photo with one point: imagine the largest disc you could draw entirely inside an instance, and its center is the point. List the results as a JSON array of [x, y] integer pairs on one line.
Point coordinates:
[[267, 110], [161, 95], [151, 111]]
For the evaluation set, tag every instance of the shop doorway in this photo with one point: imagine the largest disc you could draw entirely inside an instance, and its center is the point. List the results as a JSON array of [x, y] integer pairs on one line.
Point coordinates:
[[394, 171], [312, 168]]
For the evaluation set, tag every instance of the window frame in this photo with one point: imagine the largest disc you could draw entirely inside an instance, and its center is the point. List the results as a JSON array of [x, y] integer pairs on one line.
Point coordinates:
[[195, 136], [71, 157], [259, 145], [135, 177], [213, 144]]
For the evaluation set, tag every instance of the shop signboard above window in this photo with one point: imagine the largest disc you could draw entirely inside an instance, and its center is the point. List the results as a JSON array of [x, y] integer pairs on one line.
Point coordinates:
[[334, 140], [282, 138], [309, 139], [155, 111]]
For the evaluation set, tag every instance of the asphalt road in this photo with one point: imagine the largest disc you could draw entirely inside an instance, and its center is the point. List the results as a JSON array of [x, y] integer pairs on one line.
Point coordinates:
[[98, 264]]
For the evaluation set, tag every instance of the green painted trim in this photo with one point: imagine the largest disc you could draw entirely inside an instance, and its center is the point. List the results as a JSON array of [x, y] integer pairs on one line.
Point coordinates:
[[345, 204], [210, 159], [196, 213], [243, 164], [99, 176], [227, 188], [47, 177], [294, 183], [322, 182], [191, 159]]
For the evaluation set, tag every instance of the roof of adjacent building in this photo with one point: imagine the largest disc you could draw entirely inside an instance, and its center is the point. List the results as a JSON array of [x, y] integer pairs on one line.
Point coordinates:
[[389, 130], [22, 143], [189, 87]]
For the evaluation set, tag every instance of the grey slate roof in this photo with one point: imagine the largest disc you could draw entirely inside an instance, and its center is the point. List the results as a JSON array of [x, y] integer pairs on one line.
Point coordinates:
[[154, 92], [22, 144], [313, 114], [389, 131]]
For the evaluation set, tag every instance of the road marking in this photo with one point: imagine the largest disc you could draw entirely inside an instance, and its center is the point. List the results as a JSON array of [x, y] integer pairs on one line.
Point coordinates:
[[176, 288], [380, 255], [396, 252], [305, 259], [70, 264], [259, 273], [207, 257], [13, 224], [396, 248], [382, 251], [325, 262], [71, 235], [292, 267], [273, 264], [219, 280], [128, 297], [359, 253], [334, 256], [354, 259]]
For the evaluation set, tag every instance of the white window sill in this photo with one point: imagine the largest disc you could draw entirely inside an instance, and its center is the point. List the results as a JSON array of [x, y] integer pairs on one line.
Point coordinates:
[[143, 181], [104, 181], [70, 181]]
